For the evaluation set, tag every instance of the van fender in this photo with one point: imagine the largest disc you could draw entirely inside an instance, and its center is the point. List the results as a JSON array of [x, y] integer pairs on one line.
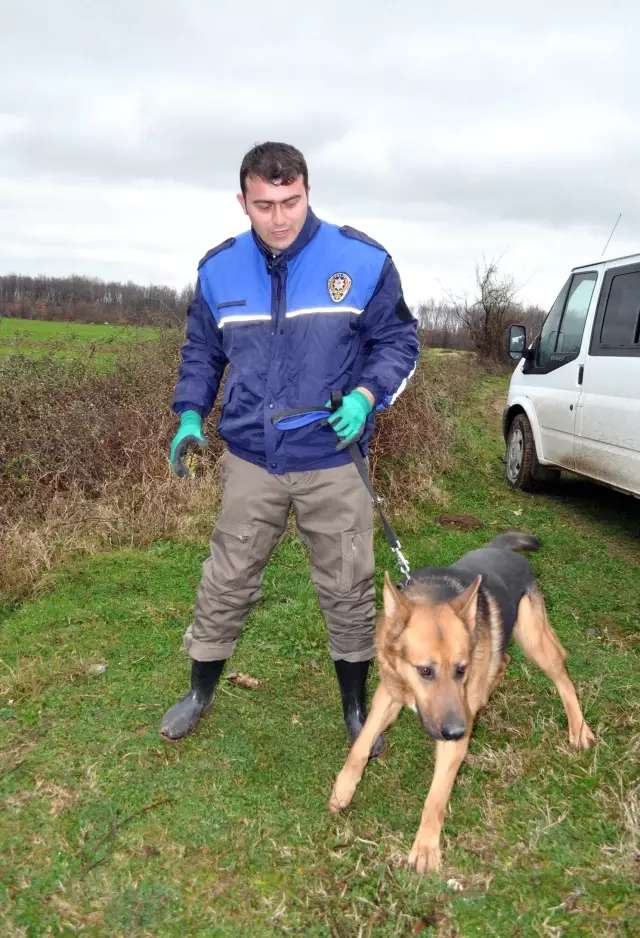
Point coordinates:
[[522, 404]]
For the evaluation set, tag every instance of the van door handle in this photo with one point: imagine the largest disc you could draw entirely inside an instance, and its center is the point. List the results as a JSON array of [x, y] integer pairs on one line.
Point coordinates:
[[580, 374]]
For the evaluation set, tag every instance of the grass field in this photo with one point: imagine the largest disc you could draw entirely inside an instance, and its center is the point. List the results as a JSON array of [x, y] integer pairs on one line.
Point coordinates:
[[107, 831], [35, 337]]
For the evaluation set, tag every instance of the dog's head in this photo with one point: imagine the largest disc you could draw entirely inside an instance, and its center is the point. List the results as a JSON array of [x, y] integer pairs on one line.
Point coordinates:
[[429, 646]]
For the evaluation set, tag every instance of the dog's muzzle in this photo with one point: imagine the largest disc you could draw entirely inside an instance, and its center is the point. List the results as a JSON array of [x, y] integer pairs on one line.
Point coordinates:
[[452, 728]]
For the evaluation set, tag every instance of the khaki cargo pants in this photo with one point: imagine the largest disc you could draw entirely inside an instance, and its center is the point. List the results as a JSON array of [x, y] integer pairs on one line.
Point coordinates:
[[334, 517]]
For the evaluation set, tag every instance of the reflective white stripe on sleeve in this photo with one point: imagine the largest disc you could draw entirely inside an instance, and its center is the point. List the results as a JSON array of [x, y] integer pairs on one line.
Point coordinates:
[[403, 384]]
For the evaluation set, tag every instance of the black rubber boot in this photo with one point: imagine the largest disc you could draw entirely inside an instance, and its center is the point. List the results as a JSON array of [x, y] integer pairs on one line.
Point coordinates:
[[183, 717], [352, 678]]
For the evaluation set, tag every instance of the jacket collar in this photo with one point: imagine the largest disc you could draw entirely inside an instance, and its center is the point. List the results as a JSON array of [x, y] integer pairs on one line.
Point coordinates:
[[307, 232]]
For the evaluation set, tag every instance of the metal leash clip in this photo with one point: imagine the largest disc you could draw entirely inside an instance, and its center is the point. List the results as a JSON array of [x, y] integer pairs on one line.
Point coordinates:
[[402, 562]]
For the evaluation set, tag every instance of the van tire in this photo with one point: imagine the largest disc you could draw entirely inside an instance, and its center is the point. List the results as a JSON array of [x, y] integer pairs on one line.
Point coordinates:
[[522, 469]]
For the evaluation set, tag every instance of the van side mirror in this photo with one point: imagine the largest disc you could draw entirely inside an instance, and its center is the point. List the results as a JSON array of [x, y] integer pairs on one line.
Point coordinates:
[[517, 342]]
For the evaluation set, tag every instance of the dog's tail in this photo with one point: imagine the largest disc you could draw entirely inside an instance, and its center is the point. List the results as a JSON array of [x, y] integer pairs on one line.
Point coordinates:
[[515, 540]]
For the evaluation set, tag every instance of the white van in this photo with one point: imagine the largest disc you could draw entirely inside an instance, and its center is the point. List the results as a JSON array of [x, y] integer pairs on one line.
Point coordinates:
[[574, 398]]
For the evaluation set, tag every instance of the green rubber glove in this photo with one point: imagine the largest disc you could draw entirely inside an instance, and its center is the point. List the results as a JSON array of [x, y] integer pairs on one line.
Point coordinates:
[[349, 419], [189, 434]]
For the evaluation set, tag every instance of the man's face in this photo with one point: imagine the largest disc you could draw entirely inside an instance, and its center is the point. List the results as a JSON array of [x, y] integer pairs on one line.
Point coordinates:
[[277, 212]]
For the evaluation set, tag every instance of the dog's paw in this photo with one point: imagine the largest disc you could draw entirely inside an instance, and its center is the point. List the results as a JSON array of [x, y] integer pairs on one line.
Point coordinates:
[[342, 795], [335, 806], [583, 738], [425, 856]]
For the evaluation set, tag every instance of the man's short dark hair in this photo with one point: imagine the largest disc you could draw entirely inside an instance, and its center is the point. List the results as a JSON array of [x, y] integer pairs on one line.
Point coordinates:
[[274, 162]]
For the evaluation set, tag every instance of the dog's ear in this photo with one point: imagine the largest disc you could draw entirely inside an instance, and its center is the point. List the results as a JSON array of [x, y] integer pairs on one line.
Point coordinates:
[[395, 606], [396, 616], [465, 605]]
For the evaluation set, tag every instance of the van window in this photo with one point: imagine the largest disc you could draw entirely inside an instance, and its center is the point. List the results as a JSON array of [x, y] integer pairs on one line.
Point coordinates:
[[575, 314], [549, 333], [561, 335], [622, 316]]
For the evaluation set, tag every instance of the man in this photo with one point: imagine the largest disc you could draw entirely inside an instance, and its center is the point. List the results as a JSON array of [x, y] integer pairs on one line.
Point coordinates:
[[295, 308]]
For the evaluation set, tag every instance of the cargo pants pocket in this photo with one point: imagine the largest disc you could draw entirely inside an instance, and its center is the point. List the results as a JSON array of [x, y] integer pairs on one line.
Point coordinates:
[[357, 559], [232, 552]]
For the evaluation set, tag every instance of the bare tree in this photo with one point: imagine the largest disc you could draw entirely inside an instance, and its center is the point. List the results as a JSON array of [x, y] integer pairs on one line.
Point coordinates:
[[532, 317], [486, 315]]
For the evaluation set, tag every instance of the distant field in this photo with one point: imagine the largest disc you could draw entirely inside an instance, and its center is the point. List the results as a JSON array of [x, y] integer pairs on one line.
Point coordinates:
[[35, 330], [36, 338]]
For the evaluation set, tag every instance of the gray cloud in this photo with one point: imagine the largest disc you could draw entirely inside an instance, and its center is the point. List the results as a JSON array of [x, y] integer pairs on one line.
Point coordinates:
[[478, 114], [202, 150]]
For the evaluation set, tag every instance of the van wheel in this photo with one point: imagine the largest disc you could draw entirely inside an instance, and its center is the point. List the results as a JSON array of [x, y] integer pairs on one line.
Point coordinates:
[[522, 469]]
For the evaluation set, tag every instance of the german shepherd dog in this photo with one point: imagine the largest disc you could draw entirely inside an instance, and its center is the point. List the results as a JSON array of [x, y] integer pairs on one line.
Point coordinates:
[[441, 651]]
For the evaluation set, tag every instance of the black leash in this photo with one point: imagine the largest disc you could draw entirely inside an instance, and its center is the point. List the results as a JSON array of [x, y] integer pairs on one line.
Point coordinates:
[[390, 534], [302, 417]]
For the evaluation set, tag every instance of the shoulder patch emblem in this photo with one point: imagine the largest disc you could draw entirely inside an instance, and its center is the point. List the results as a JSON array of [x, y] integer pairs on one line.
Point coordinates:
[[339, 285]]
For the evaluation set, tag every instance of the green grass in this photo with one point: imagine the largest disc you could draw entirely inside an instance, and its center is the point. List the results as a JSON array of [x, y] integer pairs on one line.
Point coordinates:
[[67, 340], [35, 330], [228, 834]]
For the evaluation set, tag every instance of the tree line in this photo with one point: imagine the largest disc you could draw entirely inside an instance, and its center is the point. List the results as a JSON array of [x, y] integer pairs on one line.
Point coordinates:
[[90, 300], [473, 322]]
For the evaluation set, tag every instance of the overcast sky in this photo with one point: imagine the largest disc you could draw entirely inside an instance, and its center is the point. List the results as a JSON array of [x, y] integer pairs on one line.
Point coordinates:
[[445, 131]]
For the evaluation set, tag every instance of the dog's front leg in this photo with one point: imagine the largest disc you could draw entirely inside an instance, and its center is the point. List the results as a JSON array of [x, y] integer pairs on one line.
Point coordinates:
[[384, 710], [425, 853]]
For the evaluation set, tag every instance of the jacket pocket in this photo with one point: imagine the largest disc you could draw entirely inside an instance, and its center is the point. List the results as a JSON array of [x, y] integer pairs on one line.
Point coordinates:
[[229, 303], [357, 559]]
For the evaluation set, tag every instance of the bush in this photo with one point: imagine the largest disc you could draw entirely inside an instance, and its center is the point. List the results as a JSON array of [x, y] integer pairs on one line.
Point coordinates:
[[66, 428], [83, 455]]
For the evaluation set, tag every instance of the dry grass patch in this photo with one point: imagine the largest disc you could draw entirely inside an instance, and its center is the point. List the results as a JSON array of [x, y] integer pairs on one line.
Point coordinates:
[[84, 455]]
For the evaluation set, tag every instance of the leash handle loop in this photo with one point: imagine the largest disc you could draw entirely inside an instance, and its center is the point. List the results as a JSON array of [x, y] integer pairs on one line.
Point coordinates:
[[299, 417]]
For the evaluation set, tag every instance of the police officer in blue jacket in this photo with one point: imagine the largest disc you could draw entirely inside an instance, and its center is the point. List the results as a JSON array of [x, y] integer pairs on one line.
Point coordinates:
[[292, 309]]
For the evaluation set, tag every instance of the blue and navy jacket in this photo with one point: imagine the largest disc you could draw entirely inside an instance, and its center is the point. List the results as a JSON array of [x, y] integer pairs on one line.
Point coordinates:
[[287, 342]]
